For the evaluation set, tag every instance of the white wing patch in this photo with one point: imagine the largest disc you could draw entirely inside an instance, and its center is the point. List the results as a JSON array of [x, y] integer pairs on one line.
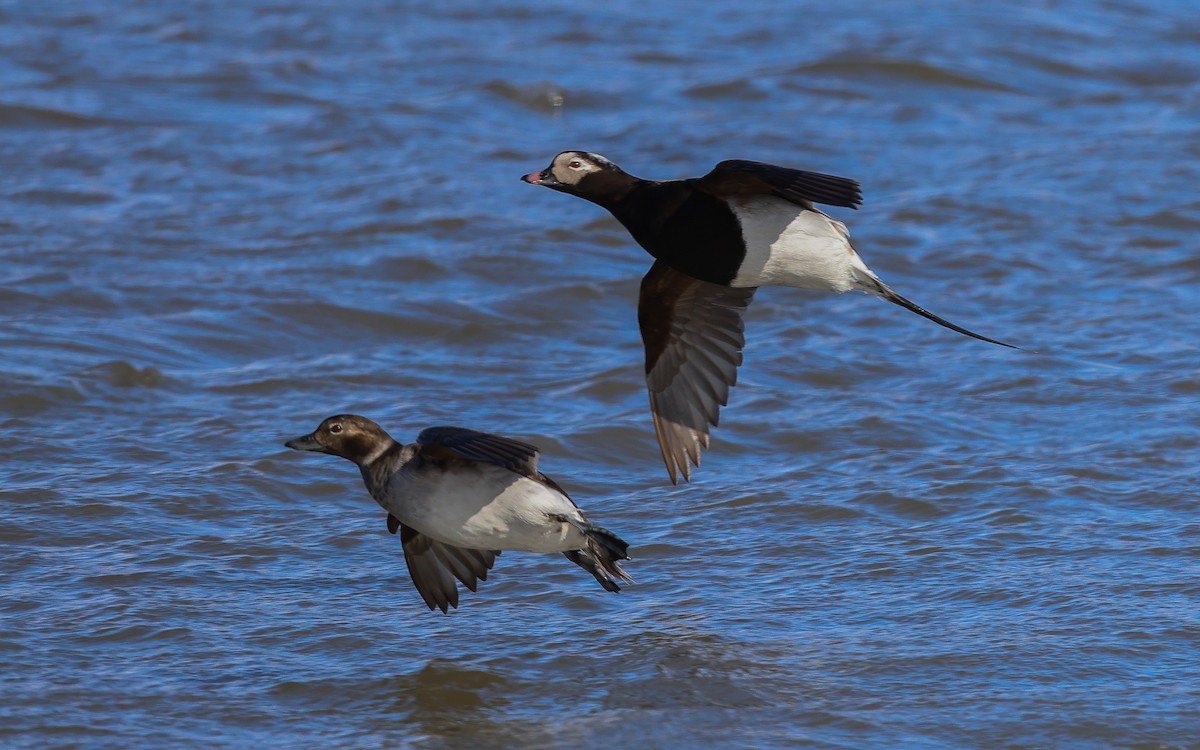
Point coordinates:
[[791, 246]]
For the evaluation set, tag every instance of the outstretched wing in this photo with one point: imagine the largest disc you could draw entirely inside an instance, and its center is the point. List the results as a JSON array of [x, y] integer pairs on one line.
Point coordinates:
[[740, 177], [433, 567], [693, 334], [472, 445]]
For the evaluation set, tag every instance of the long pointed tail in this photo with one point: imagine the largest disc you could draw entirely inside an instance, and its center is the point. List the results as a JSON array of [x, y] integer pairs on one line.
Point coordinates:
[[602, 557], [875, 286]]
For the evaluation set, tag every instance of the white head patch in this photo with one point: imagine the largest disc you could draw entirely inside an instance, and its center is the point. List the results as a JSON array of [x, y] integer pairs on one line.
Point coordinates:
[[571, 166]]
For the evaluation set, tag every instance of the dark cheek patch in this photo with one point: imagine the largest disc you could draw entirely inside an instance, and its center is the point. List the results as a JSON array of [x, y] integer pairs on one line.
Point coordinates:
[[356, 446]]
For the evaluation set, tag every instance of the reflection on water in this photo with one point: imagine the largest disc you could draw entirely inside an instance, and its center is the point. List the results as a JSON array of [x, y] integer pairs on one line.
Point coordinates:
[[495, 698]]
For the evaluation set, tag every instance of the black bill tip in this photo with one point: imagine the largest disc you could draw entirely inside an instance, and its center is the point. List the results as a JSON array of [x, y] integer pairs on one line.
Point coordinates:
[[303, 443]]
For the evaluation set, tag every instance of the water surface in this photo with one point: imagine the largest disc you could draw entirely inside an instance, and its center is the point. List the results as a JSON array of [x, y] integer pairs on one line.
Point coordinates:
[[222, 222]]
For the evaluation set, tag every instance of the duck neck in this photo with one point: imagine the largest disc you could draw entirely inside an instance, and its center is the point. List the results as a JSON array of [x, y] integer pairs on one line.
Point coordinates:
[[378, 467], [614, 192]]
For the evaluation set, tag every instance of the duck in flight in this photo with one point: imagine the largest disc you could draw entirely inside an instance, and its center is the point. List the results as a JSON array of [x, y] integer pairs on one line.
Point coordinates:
[[458, 497], [715, 240]]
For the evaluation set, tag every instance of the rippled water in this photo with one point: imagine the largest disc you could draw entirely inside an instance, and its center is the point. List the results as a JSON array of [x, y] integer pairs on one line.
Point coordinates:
[[222, 222]]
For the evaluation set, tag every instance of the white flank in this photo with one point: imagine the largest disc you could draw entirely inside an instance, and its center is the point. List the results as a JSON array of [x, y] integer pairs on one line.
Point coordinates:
[[791, 246], [484, 507]]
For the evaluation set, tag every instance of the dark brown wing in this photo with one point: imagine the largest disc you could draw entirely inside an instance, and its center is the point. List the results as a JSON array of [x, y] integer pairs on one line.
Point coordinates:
[[472, 445], [433, 567], [692, 331], [739, 177]]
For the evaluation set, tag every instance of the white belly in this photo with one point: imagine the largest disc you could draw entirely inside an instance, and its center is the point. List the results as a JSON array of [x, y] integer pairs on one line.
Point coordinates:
[[484, 507], [787, 245]]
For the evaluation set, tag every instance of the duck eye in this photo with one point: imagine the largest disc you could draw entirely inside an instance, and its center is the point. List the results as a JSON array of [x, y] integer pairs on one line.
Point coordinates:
[[576, 164], [335, 428]]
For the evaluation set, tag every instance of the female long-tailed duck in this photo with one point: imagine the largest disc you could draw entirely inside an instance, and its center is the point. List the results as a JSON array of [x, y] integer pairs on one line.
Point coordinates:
[[458, 497]]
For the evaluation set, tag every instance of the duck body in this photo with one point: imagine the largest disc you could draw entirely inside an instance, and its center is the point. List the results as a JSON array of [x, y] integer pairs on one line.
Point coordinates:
[[474, 505], [741, 241]]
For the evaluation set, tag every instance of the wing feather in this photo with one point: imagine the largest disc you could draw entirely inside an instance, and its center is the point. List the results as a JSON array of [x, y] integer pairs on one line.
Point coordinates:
[[473, 445], [741, 177], [693, 335], [433, 566]]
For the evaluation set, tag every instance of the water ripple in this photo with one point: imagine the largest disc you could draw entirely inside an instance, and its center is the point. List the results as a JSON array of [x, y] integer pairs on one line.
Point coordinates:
[[225, 226]]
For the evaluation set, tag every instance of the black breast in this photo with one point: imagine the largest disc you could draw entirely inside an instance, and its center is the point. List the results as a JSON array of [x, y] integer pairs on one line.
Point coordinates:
[[689, 230]]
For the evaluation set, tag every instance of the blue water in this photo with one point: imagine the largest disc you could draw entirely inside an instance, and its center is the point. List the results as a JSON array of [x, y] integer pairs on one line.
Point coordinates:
[[222, 222]]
